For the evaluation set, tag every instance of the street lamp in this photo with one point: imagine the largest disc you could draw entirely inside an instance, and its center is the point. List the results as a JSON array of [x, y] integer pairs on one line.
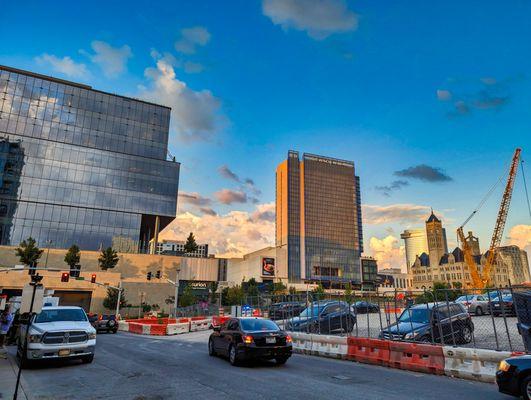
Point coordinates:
[[176, 289], [49, 243]]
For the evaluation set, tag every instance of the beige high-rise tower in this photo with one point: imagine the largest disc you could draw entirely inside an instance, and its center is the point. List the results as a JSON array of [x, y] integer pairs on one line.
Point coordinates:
[[436, 235], [415, 244]]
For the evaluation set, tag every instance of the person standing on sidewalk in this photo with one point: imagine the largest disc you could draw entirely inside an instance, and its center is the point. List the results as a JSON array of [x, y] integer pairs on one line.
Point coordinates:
[[6, 319]]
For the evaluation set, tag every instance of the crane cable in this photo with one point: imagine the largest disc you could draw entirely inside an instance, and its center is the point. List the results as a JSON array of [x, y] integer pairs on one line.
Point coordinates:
[[484, 199], [525, 186]]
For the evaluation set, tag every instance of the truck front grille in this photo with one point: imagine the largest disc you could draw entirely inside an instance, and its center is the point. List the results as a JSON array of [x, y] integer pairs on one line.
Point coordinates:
[[65, 337]]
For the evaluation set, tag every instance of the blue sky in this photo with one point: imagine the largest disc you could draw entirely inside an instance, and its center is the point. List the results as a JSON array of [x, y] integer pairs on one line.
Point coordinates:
[[389, 85]]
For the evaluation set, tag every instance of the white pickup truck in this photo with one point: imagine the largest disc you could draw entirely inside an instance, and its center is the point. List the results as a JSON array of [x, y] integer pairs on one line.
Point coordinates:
[[58, 332]]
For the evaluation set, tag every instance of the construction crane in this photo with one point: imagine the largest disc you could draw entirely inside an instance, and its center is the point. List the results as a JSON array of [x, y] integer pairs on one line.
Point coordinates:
[[484, 280]]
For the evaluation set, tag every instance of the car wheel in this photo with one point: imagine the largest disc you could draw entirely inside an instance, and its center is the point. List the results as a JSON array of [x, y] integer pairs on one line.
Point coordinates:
[[465, 334], [425, 339], [211, 351], [525, 388], [115, 330], [281, 360], [313, 328], [233, 357], [87, 359], [479, 311]]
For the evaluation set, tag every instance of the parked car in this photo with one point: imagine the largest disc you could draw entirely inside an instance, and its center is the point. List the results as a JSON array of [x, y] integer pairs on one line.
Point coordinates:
[[477, 304], [326, 316], [514, 376], [248, 338], [364, 307], [431, 322], [104, 322], [503, 306], [58, 332], [286, 309]]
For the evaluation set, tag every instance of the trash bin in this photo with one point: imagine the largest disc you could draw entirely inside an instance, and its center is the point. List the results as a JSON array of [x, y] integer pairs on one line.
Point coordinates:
[[522, 305]]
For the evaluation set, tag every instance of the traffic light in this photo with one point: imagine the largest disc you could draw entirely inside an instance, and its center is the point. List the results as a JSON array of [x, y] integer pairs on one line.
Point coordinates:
[[148, 277], [157, 275], [93, 278], [65, 276]]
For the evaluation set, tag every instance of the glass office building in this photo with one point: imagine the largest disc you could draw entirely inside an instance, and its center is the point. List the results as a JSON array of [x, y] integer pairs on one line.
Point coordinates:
[[318, 219], [81, 166]]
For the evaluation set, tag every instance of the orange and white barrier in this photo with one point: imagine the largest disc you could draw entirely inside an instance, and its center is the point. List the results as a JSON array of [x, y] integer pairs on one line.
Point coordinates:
[[200, 325], [475, 364], [177, 329]]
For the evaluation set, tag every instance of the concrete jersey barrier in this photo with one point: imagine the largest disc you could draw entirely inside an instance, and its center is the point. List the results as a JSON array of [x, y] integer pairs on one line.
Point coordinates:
[[330, 346], [474, 364], [178, 328]]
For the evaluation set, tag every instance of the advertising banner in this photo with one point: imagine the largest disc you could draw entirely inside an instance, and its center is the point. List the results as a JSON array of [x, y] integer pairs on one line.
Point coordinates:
[[268, 266]]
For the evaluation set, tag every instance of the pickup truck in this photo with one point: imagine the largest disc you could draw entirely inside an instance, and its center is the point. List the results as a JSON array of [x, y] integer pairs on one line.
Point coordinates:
[[58, 332]]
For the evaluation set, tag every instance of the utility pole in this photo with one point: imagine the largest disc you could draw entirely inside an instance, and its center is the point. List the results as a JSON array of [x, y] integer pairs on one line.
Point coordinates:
[[176, 290], [119, 298], [49, 243], [35, 282]]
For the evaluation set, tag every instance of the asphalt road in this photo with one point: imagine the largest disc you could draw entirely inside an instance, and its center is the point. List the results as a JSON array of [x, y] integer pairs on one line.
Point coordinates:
[[128, 366]]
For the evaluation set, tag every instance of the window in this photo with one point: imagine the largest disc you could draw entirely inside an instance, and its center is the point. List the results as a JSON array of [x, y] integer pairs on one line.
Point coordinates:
[[233, 325]]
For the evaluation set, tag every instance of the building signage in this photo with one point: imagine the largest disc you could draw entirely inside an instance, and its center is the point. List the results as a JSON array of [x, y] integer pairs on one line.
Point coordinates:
[[268, 266], [384, 280], [198, 287]]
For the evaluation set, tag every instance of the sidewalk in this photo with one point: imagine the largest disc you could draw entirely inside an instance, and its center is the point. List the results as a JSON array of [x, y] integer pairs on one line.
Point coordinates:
[[8, 378]]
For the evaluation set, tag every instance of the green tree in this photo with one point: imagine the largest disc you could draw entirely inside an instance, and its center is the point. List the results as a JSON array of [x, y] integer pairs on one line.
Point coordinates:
[[72, 256], [349, 293], [28, 252], [187, 298], [190, 246], [279, 288], [233, 295], [252, 288], [108, 259], [109, 302], [319, 292]]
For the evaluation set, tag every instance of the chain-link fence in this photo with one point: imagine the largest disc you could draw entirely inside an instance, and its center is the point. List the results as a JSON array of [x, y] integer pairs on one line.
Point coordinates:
[[487, 319]]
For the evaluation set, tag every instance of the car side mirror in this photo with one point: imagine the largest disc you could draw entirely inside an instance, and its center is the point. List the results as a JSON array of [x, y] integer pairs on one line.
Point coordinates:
[[216, 328]]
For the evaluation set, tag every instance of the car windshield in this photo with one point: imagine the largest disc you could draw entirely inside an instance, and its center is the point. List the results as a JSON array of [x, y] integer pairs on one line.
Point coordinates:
[[415, 315], [67, 314], [507, 297], [255, 325], [312, 311], [465, 298]]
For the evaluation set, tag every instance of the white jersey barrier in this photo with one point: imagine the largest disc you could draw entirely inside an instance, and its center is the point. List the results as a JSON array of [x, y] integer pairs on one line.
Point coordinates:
[[330, 346], [176, 329], [123, 326], [146, 329], [475, 364], [302, 342], [200, 325]]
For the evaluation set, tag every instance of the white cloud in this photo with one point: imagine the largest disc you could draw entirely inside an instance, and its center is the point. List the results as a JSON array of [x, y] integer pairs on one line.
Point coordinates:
[[520, 235], [191, 67], [388, 251], [196, 115], [318, 18], [112, 60], [229, 235], [402, 213], [191, 38], [64, 65]]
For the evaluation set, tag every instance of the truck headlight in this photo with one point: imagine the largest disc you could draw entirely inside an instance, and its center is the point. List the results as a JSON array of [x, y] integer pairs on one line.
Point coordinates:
[[92, 335], [34, 338]]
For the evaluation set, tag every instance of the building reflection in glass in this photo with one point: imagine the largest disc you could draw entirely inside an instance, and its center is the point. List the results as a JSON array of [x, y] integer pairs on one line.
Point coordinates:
[[90, 167]]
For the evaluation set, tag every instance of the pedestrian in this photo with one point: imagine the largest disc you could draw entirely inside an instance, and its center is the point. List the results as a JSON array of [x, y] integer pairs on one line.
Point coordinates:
[[6, 319]]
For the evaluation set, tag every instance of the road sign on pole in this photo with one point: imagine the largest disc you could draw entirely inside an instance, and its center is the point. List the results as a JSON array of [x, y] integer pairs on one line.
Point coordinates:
[[27, 294]]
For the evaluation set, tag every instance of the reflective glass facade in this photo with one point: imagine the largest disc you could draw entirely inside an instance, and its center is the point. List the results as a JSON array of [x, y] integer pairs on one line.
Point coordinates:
[[319, 218], [81, 166]]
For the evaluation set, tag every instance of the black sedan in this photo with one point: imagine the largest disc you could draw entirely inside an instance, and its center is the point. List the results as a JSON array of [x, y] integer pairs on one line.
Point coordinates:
[[245, 339], [503, 306], [514, 376], [364, 307], [104, 322]]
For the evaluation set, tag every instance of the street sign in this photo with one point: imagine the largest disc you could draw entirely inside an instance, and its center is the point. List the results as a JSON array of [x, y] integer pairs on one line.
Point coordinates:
[[27, 293], [80, 278], [19, 267]]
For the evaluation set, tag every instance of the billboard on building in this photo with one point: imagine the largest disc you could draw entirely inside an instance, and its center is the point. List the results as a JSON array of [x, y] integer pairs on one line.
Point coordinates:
[[268, 266], [384, 280]]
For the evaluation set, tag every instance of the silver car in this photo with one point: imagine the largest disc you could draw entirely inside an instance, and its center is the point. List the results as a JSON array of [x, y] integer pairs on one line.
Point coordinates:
[[476, 304]]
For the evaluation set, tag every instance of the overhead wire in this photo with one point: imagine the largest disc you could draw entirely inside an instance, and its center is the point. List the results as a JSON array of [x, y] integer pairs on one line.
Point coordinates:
[[525, 186]]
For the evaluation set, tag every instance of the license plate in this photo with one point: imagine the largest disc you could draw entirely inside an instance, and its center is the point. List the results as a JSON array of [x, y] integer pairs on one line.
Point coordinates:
[[64, 352], [496, 305], [270, 340]]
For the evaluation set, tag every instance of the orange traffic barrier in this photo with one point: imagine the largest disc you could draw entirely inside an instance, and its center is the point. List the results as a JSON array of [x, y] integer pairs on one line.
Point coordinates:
[[368, 351], [135, 327], [219, 320], [198, 318], [159, 330], [417, 357]]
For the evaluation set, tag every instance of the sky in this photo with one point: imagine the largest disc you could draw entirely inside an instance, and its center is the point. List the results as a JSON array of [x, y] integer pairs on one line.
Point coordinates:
[[428, 99]]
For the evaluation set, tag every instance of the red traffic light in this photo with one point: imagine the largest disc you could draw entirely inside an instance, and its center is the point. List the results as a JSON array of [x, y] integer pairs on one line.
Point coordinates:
[[65, 276], [93, 278]]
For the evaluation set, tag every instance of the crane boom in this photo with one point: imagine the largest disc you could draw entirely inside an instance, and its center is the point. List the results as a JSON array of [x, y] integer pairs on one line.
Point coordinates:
[[469, 259], [502, 217]]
